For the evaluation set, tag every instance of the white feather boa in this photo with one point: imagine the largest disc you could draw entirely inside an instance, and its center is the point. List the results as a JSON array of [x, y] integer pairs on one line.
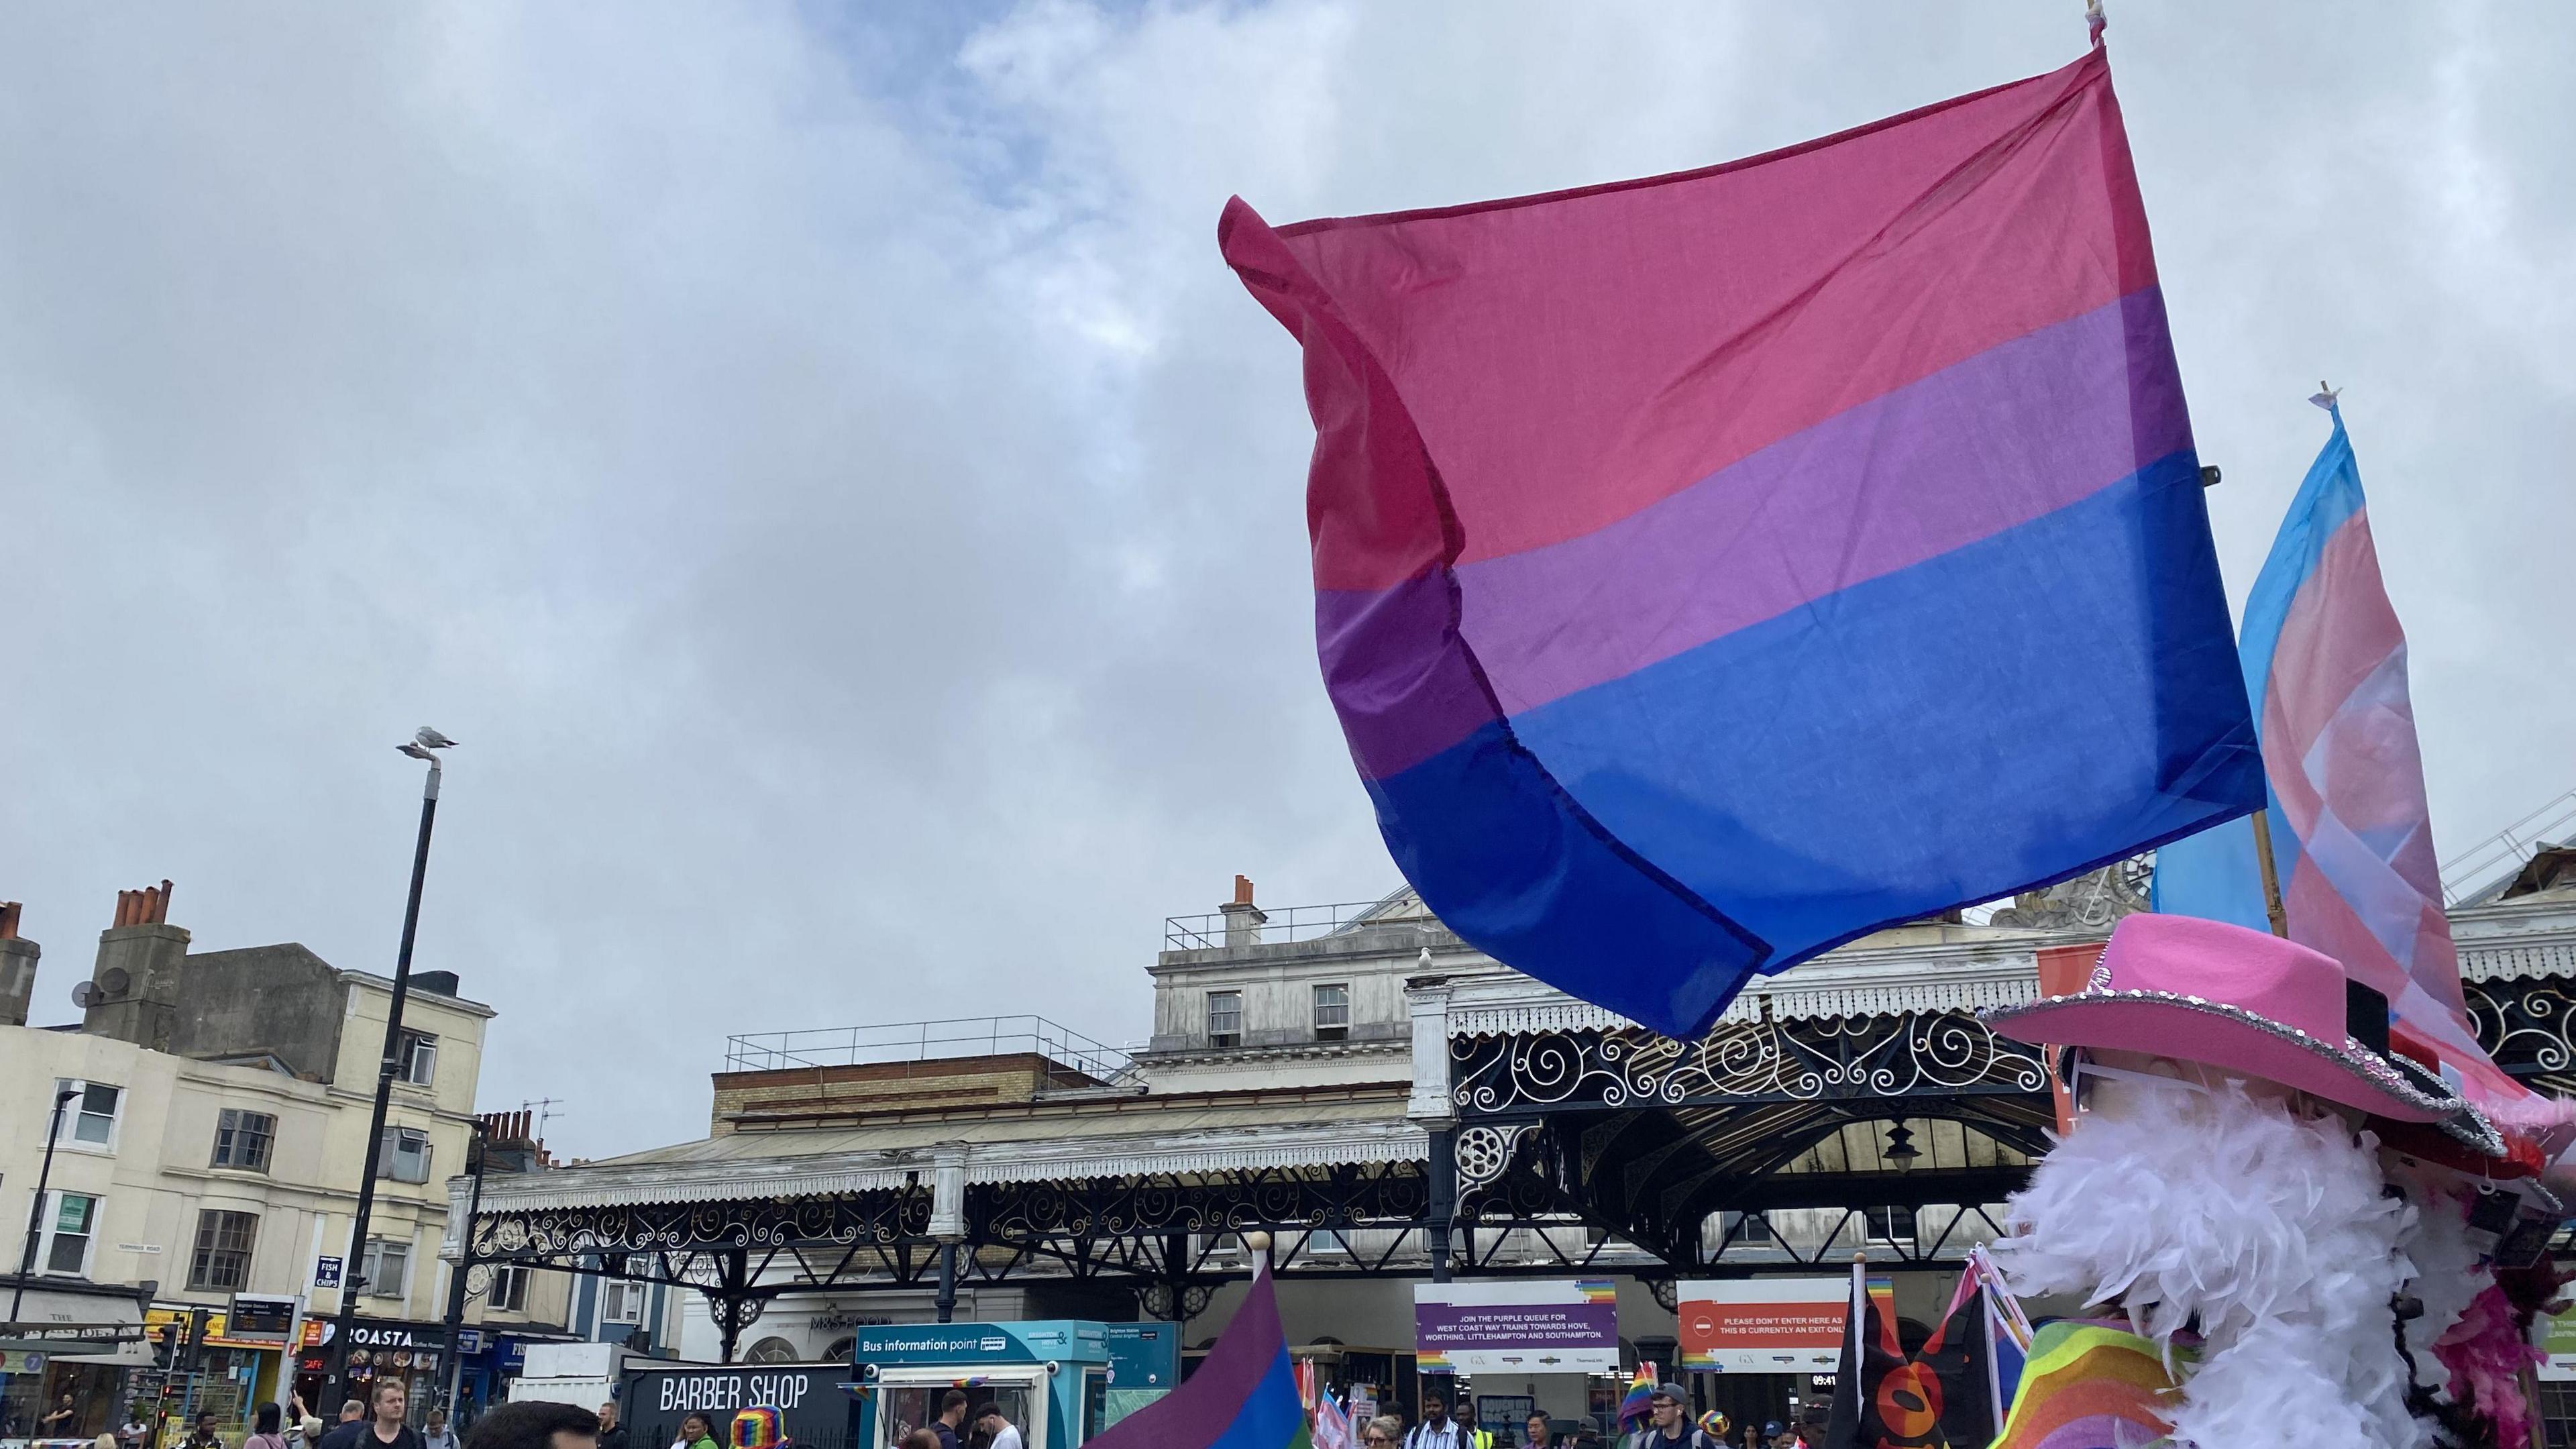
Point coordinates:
[[2449, 1271], [2267, 1232]]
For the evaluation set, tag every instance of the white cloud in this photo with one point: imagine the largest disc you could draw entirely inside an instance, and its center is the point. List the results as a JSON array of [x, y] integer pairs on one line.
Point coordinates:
[[830, 483]]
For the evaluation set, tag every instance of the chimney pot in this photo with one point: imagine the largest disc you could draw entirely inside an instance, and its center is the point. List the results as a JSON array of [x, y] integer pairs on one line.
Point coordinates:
[[8, 920], [1243, 890]]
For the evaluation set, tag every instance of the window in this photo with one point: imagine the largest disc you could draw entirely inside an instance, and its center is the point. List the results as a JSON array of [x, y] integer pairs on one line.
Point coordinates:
[[510, 1288], [242, 1139], [68, 1232], [386, 1268], [1333, 1012], [403, 1155], [621, 1300], [1891, 1224], [1225, 1018], [221, 1262], [91, 1116], [416, 1058]]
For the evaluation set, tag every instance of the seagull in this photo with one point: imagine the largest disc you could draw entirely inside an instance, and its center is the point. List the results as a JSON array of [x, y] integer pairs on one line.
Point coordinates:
[[430, 739]]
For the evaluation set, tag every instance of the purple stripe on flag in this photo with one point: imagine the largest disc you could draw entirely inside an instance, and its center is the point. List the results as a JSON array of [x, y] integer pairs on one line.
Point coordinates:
[[2009, 435], [1996, 440], [1225, 1385]]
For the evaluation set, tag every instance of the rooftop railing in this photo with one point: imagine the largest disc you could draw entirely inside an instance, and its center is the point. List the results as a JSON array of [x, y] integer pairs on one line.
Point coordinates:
[[1271, 925], [2493, 860], [926, 1041]]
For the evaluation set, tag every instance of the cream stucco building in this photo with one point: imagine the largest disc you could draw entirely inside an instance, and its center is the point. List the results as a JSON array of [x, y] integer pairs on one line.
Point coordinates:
[[212, 1140]]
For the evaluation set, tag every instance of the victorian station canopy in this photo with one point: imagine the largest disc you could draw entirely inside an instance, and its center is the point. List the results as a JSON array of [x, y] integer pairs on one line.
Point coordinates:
[[1502, 1128]]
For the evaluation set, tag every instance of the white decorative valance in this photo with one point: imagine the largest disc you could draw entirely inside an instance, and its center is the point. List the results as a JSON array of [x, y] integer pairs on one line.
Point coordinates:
[[724, 1177]]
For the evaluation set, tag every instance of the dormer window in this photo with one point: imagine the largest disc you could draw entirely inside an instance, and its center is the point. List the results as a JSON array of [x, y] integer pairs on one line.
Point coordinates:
[[1225, 1018], [1333, 1011]]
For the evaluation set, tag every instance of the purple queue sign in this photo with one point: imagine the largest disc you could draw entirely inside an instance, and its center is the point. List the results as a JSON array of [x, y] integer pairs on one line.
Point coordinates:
[[1551, 1327]]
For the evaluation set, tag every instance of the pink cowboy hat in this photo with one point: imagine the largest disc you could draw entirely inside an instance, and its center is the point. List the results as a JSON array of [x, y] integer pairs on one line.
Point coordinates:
[[2238, 1000]]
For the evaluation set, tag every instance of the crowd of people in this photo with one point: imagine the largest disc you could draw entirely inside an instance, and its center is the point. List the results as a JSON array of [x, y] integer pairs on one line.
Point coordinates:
[[1667, 1425], [376, 1422]]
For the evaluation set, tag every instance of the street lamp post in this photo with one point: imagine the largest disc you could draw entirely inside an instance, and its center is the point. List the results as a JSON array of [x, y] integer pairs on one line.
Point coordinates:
[[423, 747], [36, 1211], [451, 1364]]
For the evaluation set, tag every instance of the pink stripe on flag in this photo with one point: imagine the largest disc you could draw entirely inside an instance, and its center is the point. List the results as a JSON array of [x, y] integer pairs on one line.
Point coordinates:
[[1748, 302], [2339, 631]]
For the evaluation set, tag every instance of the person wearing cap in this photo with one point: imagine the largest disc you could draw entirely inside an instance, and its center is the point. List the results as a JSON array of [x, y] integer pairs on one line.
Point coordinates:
[[1668, 1423]]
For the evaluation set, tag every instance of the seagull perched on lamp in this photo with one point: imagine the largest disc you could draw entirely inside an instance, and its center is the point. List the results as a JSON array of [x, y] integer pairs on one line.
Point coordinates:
[[423, 741]]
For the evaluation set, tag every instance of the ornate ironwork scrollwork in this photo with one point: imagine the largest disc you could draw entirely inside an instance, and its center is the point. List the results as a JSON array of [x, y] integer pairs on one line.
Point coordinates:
[[1766, 1060], [881, 1218], [1156, 1300], [1485, 1151], [733, 1315], [2528, 1025], [1288, 1197]]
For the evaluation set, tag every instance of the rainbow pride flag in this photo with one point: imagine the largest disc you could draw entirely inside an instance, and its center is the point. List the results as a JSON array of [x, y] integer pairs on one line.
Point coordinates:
[[1714, 568], [2090, 1386], [1640, 1397], [1244, 1395]]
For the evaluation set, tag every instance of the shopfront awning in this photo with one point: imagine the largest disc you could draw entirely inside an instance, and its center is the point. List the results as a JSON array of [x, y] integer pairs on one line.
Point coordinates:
[[134, 1353], [71, 1320]]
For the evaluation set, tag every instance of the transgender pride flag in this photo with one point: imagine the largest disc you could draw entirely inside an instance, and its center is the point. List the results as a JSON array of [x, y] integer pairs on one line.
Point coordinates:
[[1715, 568], [2352, 835]]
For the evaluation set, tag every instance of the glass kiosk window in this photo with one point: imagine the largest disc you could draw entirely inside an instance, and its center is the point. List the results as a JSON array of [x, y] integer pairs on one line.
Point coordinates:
[[906, 1407]]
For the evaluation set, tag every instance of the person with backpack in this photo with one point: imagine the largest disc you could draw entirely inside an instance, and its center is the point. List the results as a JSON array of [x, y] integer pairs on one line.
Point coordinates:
[[1668, 1424]]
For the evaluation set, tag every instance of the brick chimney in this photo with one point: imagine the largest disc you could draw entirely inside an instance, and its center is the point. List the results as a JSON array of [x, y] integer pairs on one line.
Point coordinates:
[[135, 985], [17, 968], [1242, 918]]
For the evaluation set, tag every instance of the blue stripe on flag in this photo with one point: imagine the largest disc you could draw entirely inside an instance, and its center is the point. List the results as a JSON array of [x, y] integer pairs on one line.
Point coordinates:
[[2062, 713], [1271, 1415]]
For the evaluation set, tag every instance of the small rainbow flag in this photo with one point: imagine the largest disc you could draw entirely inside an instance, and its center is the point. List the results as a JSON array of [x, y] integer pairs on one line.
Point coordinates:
[[1641, 1392], [1244, 1395]]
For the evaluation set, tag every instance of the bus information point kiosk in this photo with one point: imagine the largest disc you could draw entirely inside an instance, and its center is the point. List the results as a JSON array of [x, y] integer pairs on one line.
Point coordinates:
[[1059, 1381]]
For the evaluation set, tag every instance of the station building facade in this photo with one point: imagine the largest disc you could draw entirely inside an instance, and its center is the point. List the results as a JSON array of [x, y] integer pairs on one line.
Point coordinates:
[[1394, 1108]]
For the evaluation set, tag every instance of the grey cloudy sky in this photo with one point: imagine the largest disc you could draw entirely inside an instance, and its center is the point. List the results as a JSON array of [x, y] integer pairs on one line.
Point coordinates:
[[825, 476]]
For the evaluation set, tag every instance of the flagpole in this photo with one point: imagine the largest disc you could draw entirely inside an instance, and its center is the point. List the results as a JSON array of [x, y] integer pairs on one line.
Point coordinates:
[[2272, 908]]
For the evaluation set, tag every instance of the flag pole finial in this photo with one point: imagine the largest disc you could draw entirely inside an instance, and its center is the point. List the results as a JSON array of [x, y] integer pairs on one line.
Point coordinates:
[[2326, 396]]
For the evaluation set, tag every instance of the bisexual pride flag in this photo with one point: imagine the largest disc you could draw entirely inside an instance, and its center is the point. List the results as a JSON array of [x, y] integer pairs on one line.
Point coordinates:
[[1244, 1395], [1714, 568]]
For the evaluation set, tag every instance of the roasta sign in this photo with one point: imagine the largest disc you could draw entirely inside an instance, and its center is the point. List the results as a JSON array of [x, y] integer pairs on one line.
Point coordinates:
[[363, 1334]]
